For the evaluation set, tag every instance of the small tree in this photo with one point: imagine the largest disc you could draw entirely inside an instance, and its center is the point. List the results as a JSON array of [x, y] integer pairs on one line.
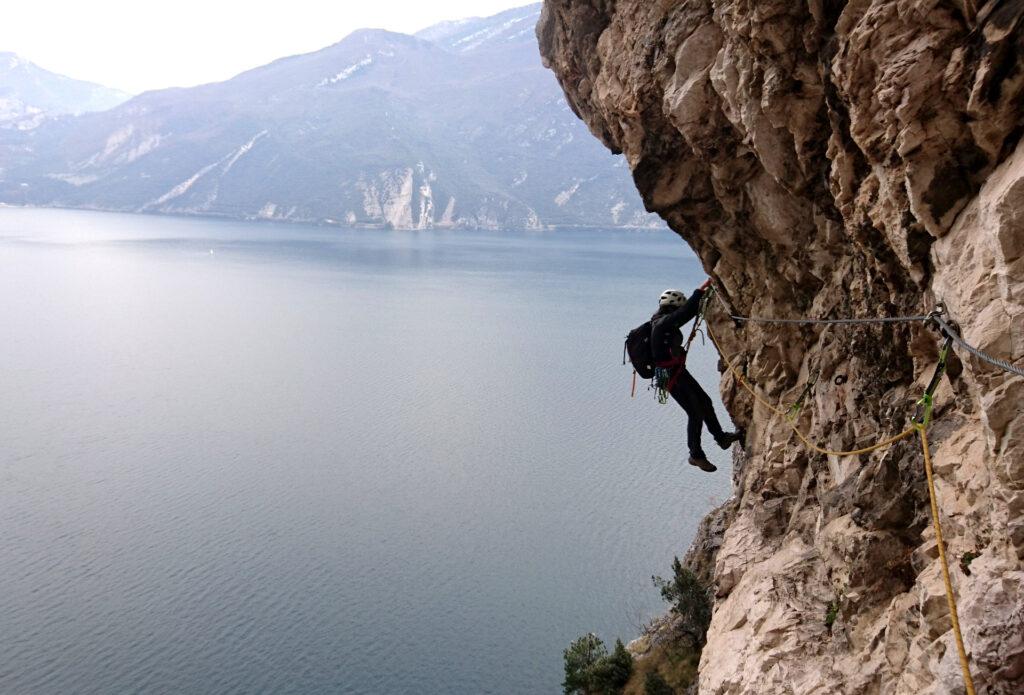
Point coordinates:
[[612, 672], [591, 670], [655, 684], [580, 659], [689, 599]]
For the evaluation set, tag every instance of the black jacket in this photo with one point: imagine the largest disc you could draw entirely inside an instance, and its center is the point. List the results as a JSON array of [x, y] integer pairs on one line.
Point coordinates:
[[666, 329]]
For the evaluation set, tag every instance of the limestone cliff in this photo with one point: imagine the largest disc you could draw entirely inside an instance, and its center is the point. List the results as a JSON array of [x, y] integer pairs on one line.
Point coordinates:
[[830, 158]]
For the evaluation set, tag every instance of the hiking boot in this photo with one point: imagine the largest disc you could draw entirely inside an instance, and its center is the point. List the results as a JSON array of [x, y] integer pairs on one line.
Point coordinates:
[[702, 463], [729, 438]]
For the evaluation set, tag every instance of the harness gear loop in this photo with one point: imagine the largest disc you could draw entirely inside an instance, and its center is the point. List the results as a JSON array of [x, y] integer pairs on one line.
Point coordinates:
[[663, 382]]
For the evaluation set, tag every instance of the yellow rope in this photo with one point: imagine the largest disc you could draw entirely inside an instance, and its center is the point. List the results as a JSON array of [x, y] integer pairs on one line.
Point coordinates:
[[950, 599], [803, 437], [920, 428]]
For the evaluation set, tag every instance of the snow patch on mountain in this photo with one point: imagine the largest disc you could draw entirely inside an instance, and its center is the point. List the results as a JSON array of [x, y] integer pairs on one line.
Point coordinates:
[[74, 179], [181, 188], [347, 72], [114, 149], [565, 196], [478, 38], [242, 151], [448, 218], [617, 211]]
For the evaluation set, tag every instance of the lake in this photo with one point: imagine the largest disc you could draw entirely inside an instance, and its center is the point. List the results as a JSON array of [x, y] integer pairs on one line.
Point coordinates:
[[254, 458]]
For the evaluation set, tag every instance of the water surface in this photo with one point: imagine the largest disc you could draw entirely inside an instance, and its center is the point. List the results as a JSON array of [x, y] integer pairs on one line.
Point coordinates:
[[251, 458]]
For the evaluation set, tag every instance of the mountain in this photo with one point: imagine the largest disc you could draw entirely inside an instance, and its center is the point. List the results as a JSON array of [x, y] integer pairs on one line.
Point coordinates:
[[460, 126], [509, 28], [28, 94]]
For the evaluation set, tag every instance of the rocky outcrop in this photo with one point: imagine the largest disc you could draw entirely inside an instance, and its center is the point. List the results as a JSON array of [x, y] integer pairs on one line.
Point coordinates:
[[855, 158]]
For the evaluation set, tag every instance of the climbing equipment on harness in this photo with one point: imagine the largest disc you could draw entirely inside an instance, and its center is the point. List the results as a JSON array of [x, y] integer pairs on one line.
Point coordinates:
[[663, 383]]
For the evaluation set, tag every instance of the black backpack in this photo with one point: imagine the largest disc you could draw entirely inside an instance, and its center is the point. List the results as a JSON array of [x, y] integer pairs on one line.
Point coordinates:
[[638, 347]]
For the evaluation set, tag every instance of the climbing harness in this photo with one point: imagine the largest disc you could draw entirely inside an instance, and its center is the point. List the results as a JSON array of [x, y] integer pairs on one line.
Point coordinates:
[[667, 373]]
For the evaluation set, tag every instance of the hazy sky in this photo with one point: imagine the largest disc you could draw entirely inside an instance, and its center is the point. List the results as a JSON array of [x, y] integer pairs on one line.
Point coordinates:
[[137, 45]]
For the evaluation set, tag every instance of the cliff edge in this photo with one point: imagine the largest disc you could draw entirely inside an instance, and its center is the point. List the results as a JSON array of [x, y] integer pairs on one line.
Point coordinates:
[[833, 158]]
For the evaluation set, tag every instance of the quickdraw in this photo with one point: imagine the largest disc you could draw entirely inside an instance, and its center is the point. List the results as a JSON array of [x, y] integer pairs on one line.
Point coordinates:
[[794, 410], [923, 414]]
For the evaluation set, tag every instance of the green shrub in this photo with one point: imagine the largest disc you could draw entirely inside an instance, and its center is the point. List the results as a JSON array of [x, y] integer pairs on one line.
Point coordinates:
[[591, 670], [966, 559], [832, 613], [689, 599], [654, 684]]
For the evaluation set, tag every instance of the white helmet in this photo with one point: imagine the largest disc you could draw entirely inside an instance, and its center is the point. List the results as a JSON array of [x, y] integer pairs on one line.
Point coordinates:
[[672, 298]]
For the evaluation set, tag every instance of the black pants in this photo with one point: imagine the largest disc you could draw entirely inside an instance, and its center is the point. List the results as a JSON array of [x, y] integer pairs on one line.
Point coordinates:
[[699, 411]]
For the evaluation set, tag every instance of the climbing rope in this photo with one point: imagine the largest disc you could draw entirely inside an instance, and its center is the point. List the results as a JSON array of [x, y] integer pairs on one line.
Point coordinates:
[[779, 411], [921, 421], [950, 598]]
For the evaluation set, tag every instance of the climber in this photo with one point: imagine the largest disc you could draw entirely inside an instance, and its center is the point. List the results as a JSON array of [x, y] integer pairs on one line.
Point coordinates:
[[674, 311]]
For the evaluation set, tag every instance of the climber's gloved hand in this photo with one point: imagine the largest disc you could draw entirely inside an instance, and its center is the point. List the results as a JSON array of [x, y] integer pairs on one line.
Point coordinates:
[[707, 284]]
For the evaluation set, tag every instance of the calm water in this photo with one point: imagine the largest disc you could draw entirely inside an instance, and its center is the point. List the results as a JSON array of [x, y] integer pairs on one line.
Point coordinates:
[[246, 458]]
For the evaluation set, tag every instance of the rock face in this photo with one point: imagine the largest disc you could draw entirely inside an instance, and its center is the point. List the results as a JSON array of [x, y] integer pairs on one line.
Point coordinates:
[[835, 158]]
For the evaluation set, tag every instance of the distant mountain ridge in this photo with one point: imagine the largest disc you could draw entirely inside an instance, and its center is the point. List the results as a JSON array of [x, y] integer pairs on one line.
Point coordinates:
[[29, 93], [457, 126]]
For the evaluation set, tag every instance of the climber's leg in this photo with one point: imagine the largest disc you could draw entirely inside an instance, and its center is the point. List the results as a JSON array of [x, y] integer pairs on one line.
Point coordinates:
[[694, 418], [701, 402]]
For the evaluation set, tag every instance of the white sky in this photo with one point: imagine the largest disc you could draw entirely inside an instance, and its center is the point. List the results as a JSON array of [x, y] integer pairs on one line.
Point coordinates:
[[137, 45]]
